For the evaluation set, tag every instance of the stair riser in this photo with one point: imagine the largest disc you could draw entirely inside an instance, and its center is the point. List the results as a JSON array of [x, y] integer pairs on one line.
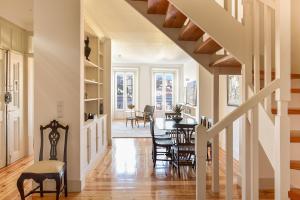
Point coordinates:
[[296, 83], [294, 150], [294, 123], [295, 178]]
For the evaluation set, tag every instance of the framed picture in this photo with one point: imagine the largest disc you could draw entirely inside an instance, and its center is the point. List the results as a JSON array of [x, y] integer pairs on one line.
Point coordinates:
[[233, 90]]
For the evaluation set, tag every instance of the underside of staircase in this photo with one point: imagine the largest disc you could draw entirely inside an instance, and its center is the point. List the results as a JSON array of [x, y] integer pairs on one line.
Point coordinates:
[[189, 36]]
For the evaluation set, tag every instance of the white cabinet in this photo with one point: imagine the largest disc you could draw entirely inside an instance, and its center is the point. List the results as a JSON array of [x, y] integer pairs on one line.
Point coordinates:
[[94, 141]]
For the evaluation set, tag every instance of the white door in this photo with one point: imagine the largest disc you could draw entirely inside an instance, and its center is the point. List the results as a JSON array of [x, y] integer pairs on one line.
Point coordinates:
[[16, 138], [3, 59]]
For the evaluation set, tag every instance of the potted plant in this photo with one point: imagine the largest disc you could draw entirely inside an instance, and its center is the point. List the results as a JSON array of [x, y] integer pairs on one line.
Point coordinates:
[[131, 106], [177, 109]]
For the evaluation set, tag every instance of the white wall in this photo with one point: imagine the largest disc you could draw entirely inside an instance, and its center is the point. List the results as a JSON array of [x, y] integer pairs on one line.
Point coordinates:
[[58, 74], [191, 73], [224, 110], [144, 82]]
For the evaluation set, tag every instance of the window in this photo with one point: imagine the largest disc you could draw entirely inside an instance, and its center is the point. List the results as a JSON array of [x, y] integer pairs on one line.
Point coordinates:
[[164, 91], [124, 88]]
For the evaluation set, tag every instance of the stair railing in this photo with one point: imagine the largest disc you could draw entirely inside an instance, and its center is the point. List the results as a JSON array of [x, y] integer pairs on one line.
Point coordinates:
[[203, 135]]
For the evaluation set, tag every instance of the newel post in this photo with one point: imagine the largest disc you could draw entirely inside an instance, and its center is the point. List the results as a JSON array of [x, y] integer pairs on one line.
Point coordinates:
[[201, 152], [283, 95]]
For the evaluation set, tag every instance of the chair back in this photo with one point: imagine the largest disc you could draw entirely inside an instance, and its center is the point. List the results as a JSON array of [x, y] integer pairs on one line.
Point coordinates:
[[54, 131], [184, 134], [149, 110], [152, 124]]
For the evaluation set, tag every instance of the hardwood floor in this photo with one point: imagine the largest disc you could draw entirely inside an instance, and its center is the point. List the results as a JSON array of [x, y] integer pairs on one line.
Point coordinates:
[[126, 172]]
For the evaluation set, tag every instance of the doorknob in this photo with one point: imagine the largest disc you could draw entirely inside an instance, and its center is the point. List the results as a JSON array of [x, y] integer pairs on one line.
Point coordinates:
[[7, 98]]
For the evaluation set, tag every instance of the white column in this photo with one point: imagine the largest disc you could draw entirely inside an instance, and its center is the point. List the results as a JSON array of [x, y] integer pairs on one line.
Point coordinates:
[[283, 95], [58, 75], [215, 142], [247, 80]]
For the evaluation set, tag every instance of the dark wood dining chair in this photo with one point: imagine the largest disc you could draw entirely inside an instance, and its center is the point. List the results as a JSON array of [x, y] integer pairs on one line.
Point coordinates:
[[160, 146], [48, 169], [183, 151]]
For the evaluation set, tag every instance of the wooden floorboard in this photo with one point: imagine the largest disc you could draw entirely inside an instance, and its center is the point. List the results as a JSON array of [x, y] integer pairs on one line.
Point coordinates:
[[126, 172]]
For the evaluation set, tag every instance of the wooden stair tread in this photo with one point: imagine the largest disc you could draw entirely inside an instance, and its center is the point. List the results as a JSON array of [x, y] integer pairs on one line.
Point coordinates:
[[191, 32], [295, 164], [295, 139], [295, 136], [291, 111], [294, 194], [293, 76], [226, 61], [295, 90], [209, 46], [158, 6], [174, 18]]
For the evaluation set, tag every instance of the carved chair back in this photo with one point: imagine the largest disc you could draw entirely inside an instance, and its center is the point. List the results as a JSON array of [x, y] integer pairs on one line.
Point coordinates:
[[54, 130], [149, 110]]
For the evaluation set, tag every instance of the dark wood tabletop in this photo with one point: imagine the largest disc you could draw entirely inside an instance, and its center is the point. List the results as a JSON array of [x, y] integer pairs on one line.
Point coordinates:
[[167, 124]]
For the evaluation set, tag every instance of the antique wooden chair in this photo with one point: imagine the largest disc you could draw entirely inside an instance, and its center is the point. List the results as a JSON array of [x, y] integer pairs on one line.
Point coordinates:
[[48, 169]]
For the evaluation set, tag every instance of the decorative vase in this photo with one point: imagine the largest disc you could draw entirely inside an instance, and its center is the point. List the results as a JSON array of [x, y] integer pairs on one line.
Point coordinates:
[[87, 49], [177, 119]]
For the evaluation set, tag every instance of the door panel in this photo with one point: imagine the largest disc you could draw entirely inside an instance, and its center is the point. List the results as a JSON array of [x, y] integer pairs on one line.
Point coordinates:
[[16, 139], [2, 109]]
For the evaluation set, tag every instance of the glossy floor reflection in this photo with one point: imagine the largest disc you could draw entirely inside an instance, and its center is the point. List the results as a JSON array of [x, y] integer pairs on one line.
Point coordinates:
[[126, 173]]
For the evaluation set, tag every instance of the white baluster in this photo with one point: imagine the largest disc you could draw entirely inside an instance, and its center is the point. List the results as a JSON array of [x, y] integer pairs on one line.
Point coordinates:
[[254, 155], [201, 152], [229, 161], [256, 46], [267, 53]]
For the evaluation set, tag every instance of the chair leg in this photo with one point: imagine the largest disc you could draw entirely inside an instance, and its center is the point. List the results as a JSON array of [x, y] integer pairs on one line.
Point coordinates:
[[58, 186], [154, 157], [41, 189], [126, 122], [66, 183], [131, 123], [20, 187]]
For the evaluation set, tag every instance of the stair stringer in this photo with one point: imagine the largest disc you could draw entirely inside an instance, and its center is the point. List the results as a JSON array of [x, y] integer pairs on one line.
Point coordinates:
[[173, 34], [218, 23]]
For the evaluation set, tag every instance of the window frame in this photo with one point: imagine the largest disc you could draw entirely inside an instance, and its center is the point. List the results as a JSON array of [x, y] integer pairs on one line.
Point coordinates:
[[175, 87], [124, 73]]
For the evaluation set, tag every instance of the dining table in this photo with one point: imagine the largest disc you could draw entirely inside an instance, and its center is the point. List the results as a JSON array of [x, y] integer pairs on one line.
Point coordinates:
[[170, 124]]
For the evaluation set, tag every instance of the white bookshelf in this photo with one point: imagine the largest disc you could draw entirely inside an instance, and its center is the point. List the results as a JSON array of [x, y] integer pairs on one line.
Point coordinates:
[[94, 75]]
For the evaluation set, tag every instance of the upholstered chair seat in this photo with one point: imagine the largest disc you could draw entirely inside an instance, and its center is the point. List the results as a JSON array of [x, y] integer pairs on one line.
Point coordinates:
[[46, 166]]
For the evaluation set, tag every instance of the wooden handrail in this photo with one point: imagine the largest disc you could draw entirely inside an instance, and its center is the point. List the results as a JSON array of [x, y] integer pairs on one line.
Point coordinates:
[[242, 109]]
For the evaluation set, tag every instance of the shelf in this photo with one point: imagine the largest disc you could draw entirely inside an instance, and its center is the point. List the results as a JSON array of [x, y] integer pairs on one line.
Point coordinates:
[[90, 64], [90, 82], [91, 99]]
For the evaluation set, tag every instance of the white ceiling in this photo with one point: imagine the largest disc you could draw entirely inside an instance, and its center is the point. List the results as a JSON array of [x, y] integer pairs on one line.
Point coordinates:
[[134, 39], [18, 12]]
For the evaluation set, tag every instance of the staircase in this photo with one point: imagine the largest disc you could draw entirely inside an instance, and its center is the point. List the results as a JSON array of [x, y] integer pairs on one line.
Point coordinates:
[[226, 41], [191, 37]]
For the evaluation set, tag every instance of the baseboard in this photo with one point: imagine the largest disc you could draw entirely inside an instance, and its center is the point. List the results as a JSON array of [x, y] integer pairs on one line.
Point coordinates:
[[264, 183], [76, 185]]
